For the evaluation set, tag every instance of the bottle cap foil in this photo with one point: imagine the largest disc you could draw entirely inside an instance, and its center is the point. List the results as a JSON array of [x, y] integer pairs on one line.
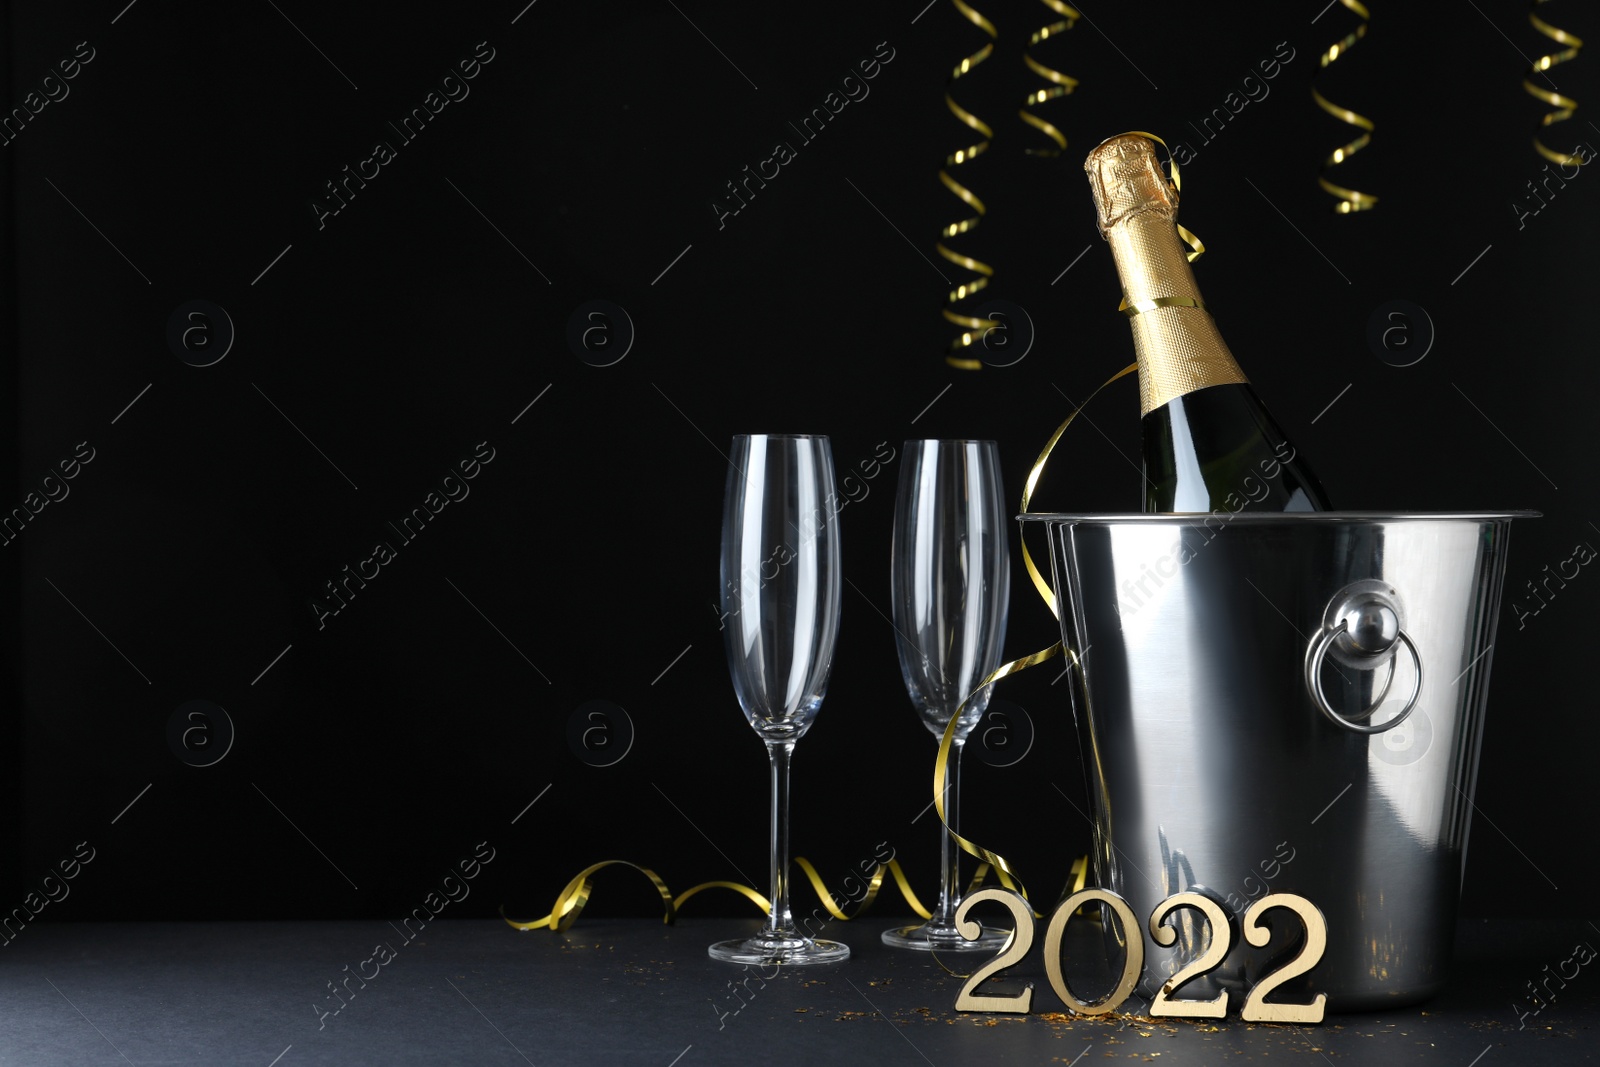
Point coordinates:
[[1127, 180]]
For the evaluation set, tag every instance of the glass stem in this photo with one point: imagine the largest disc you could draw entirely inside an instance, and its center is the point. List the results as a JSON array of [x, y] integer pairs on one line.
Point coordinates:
[[949, 852], [781, 921]]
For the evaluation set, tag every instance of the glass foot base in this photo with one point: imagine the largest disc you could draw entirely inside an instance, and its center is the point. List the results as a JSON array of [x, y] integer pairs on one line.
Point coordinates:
[[931, 937], [765, 950]]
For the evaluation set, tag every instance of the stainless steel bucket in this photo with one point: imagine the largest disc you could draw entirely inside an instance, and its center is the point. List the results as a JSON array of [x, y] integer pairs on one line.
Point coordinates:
[[1285, 702]]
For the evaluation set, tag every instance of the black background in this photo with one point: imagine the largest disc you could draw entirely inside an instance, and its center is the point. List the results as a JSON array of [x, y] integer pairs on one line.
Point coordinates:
[[414, 324]]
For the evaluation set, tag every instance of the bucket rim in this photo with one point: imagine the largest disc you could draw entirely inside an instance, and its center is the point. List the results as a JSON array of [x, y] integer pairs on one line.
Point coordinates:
[[1191, 518]]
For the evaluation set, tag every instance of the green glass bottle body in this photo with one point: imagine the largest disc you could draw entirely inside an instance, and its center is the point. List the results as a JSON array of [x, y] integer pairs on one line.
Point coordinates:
[[1217, 449]]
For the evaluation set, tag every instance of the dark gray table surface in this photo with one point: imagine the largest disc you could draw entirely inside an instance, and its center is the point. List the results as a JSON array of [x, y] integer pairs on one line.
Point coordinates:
[[639, 992]]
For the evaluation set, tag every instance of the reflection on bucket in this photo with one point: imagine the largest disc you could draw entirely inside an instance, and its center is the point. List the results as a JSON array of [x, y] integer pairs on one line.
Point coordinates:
[[1292, 703]]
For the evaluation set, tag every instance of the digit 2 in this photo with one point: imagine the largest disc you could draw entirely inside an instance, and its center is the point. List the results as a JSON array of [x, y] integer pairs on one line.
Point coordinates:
[[1012, 952], [1220, 935], [1256, 1009]]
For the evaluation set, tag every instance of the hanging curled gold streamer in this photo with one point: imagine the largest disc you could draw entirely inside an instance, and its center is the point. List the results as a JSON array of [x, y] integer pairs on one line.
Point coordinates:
[[973, 328], [1564, 105], [574, 896], [1060, 84], [1349, 199], [941, 767]]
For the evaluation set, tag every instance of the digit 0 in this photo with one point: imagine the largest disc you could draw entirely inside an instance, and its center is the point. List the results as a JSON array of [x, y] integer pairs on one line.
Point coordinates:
[[1132, 961]]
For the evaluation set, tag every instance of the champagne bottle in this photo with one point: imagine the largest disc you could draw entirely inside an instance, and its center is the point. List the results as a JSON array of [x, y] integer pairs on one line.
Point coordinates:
[[1209, 445]]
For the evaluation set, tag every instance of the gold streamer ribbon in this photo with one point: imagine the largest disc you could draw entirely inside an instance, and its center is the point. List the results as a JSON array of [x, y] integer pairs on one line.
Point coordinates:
[[1032, 484], [973, 328], [941, 768], [1060, 84], [1564, 105], [574, 896], [1138, 307], [1349, 199]]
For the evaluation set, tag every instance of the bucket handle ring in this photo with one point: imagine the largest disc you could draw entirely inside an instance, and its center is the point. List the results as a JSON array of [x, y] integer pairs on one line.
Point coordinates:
[[1314, 682]]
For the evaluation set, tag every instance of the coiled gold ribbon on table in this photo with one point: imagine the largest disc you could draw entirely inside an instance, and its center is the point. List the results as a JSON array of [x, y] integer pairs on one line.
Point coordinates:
[[973, 328], [1349, 199], [1564, 105], [1060, 84], [574, 896]]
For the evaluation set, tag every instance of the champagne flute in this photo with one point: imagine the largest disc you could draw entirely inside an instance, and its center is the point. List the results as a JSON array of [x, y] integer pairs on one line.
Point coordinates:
[[950, 583], [780, 598]]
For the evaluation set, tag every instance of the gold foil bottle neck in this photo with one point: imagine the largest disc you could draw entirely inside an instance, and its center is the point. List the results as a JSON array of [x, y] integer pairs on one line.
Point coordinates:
[[1127, 180], [1177, 345]]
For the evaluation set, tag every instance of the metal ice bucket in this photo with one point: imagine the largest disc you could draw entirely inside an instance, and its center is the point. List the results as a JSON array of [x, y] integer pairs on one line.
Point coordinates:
[[1285, 702]]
